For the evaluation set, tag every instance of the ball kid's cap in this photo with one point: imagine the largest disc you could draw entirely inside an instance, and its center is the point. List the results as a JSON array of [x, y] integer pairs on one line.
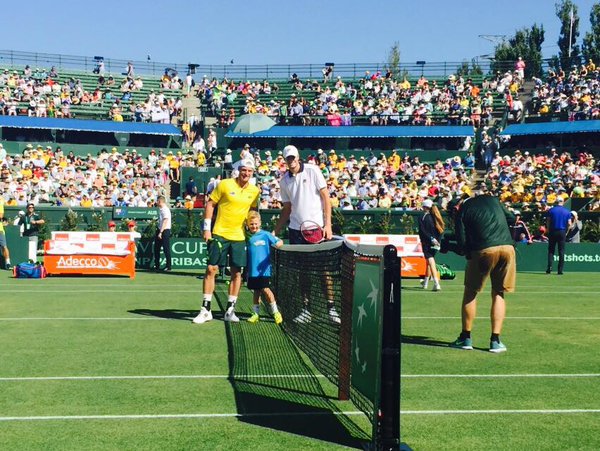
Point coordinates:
[[111, 224]]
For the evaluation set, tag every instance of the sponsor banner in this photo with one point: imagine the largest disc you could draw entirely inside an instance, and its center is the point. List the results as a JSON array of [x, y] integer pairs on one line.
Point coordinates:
[[579, 257], [412, 261], [186, 253], [135, 213]]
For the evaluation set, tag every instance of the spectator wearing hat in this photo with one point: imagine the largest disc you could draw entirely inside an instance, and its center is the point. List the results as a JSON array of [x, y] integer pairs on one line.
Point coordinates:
[[574, 231], [558, 221], [31, 222], [112, 226]]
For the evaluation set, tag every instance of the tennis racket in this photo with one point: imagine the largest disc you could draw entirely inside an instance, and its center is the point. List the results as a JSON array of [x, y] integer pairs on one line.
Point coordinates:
[[312, 232]]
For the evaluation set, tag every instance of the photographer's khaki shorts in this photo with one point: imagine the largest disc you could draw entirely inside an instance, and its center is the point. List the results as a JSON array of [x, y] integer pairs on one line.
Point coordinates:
[[498, 263]]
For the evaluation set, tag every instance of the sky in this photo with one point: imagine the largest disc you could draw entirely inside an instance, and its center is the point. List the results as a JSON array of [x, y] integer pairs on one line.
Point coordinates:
[[279, 32]]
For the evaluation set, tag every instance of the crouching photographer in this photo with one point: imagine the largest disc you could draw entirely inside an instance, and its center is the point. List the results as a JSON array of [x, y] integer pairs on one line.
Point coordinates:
[[483, 236]]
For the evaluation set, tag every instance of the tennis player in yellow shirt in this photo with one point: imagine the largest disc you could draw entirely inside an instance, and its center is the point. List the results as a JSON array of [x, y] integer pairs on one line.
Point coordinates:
[[234, 197]]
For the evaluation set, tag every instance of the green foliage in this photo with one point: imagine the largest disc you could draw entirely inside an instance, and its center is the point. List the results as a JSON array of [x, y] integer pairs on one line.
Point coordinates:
[[393, 59], [43, 231], [465, 70], [568, 34], [363, 225], [338, 221], [526, 43], [407, 225], [384, 225], [193, 227], [70, 222], [591, 231], [150, 230], [591, 40], [96, 224]]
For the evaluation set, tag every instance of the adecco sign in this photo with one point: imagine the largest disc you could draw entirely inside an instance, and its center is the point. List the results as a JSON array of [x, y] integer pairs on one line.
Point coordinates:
[[186, 253]]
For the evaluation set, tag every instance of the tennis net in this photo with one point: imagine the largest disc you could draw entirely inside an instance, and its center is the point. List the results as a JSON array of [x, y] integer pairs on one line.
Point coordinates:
[[314, 286]]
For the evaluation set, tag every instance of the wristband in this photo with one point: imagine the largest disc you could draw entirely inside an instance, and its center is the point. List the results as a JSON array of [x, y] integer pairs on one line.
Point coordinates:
[[207, 224]]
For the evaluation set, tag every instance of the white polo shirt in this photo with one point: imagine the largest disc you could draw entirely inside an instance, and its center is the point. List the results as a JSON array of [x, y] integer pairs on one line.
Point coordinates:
[[164, 213], [303, 192]]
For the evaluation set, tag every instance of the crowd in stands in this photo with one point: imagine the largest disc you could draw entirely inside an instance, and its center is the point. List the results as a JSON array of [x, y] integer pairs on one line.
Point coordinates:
[[531, 183], [355, 180], [42, 93], [50, 176], [380, 99], [576, 94]]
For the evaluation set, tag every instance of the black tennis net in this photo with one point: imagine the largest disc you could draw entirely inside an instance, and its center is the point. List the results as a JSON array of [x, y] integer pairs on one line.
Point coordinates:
[[314, 287]]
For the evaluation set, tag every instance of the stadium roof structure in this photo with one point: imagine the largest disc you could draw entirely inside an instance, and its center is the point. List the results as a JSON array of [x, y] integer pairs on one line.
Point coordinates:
[[552, 128], [359, 131], [88, 125]]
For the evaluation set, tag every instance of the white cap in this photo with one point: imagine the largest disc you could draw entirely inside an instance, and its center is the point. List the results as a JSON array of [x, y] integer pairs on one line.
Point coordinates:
[[246, 163], [290, 151], [427, 203]]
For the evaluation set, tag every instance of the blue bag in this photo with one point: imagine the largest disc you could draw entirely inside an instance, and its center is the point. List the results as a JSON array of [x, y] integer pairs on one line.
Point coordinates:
[[29, 271]]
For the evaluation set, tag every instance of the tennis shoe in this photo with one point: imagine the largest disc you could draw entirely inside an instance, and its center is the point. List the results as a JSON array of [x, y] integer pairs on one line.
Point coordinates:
[[254, 318], [333, 316], [278, 318], [304, 317], [203, 316], [424, 283], [437, 287], [230, 316], [462, 343], [497, 347]]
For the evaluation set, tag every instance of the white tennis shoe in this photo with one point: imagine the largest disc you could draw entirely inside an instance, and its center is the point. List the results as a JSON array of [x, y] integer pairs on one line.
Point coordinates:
[[230, 316], [303, 318], [203, 316]]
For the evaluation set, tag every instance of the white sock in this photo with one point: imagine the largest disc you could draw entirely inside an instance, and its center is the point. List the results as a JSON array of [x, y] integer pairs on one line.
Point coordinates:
[[207, 297], [274, 308], [7, 261], [256, 308], [231, 300]]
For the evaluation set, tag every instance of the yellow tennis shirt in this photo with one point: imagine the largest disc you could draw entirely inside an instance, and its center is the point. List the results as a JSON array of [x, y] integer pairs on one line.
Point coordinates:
[[234, 203]]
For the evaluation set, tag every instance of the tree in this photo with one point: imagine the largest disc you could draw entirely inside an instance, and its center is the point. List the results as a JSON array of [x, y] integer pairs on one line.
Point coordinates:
[[568, 49], [393, 59], [527, 44], [591, 40], [464, 70]]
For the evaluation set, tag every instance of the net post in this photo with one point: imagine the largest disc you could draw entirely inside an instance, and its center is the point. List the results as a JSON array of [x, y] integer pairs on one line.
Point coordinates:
[[388, 436], [347, 304]]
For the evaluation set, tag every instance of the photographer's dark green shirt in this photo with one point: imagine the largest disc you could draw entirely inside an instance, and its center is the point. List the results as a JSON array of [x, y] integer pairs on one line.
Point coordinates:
[[482, 222]]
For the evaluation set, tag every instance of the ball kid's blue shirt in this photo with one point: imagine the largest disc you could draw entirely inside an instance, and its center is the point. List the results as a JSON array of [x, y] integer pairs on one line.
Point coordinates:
[[259, 253]]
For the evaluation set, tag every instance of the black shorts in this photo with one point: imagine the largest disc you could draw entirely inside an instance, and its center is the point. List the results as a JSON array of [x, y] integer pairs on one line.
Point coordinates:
[[295, 237], [258, 283], [429, 252]]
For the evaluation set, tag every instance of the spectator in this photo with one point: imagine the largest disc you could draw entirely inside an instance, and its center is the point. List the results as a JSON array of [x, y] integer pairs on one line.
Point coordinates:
[[519, 230], [557, 223], [574, 231]]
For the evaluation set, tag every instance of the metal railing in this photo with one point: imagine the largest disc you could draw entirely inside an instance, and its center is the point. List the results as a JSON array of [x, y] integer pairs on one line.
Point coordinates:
[[16, 58]]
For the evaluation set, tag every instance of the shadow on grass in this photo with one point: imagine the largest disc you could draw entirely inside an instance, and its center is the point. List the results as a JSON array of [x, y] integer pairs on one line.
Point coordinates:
[[275, 388], [183, 315], [427, 341]]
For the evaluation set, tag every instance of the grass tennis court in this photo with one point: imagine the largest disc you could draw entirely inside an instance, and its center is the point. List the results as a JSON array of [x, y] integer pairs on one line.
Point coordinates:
[[101, 363]]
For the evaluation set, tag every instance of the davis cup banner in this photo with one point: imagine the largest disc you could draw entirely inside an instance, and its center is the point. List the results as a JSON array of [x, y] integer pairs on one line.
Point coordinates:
[[186, 253]]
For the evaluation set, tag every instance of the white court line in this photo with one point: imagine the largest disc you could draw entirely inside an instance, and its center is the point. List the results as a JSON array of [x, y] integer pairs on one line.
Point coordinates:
[[498, 376], [166, 376], [129, 290], [177, 416], [565, 318], [291, 414], [499, 411], [154, 318], [150, 318], [290, 376]]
